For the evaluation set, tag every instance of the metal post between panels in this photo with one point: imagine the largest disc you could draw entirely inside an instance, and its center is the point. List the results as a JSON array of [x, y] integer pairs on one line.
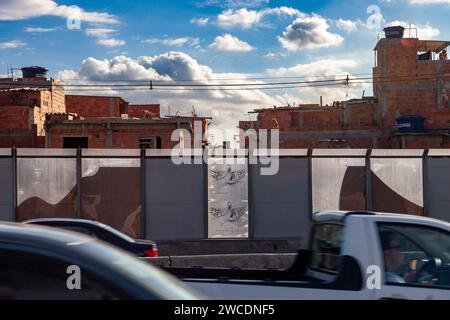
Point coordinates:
[[205, 192], [78, 170], [143, 228], [251, 231], [14, 155], [425, 194], [310, 186], [368, 180]]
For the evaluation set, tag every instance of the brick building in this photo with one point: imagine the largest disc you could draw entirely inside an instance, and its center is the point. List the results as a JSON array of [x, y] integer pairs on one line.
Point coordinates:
[[111, 122], [23, 105], [410, 107], [35, 112]]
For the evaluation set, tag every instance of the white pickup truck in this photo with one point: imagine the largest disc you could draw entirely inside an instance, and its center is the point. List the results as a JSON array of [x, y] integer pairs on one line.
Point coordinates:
[[351, 255]]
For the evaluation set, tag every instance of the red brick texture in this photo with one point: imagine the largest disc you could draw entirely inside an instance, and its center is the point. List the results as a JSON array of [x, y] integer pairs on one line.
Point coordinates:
[[96, 106], [149, 111]]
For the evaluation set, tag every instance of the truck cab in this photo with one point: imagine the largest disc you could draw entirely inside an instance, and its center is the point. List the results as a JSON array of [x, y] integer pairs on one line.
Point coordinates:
[[350, 255]]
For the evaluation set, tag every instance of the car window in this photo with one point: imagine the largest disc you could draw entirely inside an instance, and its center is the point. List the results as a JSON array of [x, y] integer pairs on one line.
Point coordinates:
[[415, 255], [326, 247], [79, 230], [117, 233], [29, 276]]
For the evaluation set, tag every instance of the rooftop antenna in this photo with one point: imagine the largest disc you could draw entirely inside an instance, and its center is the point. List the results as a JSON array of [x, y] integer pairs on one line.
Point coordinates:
[[194, 114]]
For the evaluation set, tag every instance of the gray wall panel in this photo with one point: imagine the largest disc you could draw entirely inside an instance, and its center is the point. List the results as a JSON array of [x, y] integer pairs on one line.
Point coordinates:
[[278, 220], [175, 222], [280, 202], [174, 185], [440, 210], [175, 200], [6, 190], [438, 177]]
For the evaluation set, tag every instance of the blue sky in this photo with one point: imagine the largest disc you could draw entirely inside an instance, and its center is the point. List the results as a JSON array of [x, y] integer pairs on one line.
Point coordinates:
[[208, 40]]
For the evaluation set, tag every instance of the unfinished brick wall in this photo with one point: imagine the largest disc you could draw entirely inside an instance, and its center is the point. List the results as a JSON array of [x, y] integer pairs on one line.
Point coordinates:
[[91, 107], [58, 97], [15, 118], [120, 135], [405, 85], [149, 111], [128, 136], [96, 134], [20, 98]]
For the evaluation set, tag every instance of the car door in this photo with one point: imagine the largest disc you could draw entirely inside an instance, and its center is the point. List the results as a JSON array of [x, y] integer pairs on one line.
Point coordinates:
[[416, 262]]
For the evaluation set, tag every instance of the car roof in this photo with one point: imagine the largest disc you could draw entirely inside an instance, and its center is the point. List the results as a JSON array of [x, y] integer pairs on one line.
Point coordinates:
[[40, 235], [339, 216], [67, 220]]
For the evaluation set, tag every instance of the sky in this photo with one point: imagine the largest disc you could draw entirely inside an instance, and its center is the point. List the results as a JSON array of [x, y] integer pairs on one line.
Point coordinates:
[[210, 42]]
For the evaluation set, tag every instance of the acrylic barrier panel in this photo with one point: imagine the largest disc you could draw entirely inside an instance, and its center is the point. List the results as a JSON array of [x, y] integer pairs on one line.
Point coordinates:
[[46, 187], [397, 185], [338, 184], [6, 189], [111, 193], [227, 198]]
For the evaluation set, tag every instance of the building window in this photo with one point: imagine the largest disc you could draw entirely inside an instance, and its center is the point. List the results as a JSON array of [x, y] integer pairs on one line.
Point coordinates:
[[75, 142], [150, 143]]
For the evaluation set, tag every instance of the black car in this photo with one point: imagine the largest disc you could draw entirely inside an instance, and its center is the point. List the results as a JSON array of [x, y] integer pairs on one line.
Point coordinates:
[[38, 262], [140, 248]]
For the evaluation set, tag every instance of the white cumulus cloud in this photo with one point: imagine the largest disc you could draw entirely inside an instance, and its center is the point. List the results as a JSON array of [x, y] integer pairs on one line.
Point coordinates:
[[309, 33], [349, 25], [104, 37], [13, 44], [111, 42], [426, 31], [174, 42], [227, 42], [324, 69], [200, 21], [227, 106], [25, 9], [246, 18], [39, 30]]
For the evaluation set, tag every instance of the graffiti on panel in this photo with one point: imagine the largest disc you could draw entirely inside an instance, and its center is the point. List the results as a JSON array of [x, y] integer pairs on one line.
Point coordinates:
[[227, 200]]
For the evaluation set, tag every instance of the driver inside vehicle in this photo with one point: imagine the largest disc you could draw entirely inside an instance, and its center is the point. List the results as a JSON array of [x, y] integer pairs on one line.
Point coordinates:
[[393, 256]]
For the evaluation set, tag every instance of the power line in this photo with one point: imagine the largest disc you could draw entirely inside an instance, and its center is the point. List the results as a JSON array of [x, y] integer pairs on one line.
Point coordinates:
[[236, 86], [216, 79]]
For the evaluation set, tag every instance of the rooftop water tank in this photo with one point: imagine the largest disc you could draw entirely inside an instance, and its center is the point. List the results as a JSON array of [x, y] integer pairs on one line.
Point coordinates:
[[33, 72], [394, 32], [410, 124]]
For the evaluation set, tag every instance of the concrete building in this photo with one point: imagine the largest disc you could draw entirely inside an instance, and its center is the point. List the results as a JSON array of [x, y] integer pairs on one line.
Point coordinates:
[[410, 107]]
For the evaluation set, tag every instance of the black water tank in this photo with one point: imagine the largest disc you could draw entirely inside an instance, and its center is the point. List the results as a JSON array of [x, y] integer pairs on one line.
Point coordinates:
[[394, 32], [33, 72]]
